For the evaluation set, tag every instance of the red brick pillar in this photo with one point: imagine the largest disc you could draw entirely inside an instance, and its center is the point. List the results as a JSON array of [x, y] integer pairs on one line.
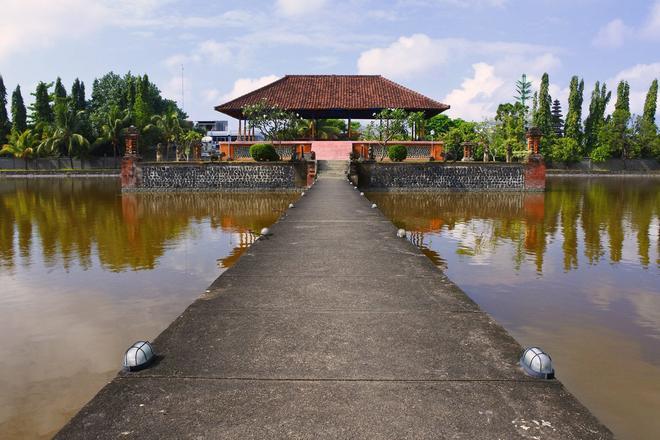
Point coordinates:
[[535, 166]]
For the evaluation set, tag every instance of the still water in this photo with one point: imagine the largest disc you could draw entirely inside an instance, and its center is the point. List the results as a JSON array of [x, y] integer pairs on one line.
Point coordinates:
[[85, 271], [575, 270]]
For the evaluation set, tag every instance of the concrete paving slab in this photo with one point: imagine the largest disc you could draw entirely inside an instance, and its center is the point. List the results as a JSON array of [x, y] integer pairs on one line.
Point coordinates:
[[157, 408]]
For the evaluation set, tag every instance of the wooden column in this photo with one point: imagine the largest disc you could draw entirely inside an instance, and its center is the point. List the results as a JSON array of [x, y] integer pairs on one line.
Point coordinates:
[[349, 129], [238, 136]]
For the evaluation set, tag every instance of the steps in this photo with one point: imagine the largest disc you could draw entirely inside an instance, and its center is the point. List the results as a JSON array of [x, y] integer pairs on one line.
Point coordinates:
[[332, 168]]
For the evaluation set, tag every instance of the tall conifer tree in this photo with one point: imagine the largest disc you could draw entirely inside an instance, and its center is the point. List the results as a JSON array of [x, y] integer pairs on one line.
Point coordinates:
[[41, 110], [543, 116], [573, 125], [651, 103], [600, 97], [60, 91], [18, 111], [5, 124]]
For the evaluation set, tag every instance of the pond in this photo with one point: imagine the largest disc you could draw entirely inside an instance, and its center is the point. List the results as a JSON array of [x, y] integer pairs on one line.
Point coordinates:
[[85, 271], [575, 270]]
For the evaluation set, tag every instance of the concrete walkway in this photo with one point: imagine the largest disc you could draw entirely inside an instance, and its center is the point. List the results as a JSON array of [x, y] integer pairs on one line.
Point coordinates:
[[334, 328]]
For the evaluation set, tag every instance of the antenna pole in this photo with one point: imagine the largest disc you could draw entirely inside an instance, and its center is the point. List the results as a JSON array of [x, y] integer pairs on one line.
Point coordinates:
[[183, 96]]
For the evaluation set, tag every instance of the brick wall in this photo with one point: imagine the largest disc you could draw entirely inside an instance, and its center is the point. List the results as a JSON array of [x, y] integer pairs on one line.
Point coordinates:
[[216, 176], [434, 176]]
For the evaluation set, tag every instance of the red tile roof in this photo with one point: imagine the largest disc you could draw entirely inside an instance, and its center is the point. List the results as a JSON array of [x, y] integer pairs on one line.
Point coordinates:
[[335, 96]]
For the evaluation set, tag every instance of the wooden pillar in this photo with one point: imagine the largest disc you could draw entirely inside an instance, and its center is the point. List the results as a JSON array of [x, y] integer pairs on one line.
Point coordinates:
[[238, 136], [349, 129]]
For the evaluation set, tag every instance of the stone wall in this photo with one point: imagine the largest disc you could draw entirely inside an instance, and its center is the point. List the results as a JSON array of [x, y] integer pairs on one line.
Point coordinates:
[[223, 176], [437, 176]]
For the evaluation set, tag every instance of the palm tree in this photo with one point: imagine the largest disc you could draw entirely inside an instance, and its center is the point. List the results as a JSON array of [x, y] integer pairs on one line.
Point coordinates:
[[65, 133], [21, 145], [169, 126], [112, 129], [325, 129]]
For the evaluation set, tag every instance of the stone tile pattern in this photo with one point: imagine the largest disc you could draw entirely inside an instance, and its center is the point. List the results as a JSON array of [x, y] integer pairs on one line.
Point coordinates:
[[221, 176], [436, 176]]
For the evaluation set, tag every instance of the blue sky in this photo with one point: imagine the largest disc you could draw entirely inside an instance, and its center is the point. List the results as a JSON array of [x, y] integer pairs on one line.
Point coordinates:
[[467, 53]]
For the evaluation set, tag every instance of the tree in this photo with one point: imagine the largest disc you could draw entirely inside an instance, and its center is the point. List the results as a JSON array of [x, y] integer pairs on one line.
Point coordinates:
[[557, 119], [510, 129], [5, 124], [78, 95], [21, 145], [60, 91], [543, 117], [169, 127], [645, 128], [615, 136], [112, 129], [600, 97], [463, 132], [573, 125], [65, 135], [18, 111], [524, 91], [440, 124], [41, 110], [565, 150], [651, 103], [274, 122], [392, 125], [141, 113]]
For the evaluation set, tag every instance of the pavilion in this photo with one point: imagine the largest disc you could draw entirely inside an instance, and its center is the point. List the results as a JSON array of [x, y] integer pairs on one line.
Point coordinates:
[[317, 97]]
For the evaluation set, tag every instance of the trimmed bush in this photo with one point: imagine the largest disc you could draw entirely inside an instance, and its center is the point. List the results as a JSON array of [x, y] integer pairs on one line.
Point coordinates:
[[263, 152], [397, 153]]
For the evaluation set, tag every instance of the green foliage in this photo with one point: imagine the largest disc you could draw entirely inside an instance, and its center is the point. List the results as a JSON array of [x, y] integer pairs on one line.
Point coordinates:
[[18, 111], [78, 95], [167, 128], [463, 132], [397, 153], [573, 125], [263, 152], [651, 102], [113, 128], [617, 134], [60, 91], [523, 91], [440, 124], [42, 111], [274, 122], [600, 97], [21, 145], [566, 149], [543, 116], [509, 131], [5, 124], [65, 135]]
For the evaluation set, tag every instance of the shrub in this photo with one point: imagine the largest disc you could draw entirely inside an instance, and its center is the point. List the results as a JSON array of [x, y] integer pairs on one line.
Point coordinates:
[[397, 153], [566, 150], [263, 152]]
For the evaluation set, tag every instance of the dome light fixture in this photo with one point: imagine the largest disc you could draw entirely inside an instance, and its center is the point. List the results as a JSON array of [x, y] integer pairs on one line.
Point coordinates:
[[138, 356], [537, 363], [401, 233]]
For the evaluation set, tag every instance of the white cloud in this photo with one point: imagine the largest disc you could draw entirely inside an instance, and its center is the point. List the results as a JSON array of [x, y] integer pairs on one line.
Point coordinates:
[[297, 8], [612, 35], [639, 77], [652, 27], [473, 99], [246, 85], [405, 57], [209, 52]]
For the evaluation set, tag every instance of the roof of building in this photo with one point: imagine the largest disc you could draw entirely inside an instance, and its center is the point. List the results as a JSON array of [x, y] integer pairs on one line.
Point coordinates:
[[335, 96]]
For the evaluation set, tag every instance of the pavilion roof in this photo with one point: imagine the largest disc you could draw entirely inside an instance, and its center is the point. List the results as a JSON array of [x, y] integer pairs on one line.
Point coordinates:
[[335, 96]]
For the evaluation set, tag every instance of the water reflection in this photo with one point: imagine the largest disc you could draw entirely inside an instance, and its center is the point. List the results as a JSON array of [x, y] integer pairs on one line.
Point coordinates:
[[85, 271], [575, 270]]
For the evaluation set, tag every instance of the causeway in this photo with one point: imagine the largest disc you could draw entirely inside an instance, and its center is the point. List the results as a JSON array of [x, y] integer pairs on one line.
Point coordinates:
[[333, 327]]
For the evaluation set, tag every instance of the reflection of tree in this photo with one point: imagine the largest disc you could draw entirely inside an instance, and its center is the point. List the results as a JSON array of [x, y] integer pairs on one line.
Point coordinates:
[[600, 207], [76, 218]]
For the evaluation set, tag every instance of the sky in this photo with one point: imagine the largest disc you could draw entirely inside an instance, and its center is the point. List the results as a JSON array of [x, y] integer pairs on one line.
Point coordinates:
[[466, 53]]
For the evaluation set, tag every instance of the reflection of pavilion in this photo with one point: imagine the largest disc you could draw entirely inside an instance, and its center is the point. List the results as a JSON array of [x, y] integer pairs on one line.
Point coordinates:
[[245, 240]]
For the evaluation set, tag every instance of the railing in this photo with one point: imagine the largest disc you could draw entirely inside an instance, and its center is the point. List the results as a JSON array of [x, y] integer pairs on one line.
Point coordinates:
[[240, 150], [416, 149]]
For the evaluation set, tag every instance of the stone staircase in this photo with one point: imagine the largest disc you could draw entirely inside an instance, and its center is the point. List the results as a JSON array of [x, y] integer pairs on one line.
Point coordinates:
[[334, 169]]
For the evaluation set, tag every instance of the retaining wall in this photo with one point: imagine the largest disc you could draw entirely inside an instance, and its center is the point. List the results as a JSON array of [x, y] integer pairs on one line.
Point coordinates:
[[436, 176], [223, 176]]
